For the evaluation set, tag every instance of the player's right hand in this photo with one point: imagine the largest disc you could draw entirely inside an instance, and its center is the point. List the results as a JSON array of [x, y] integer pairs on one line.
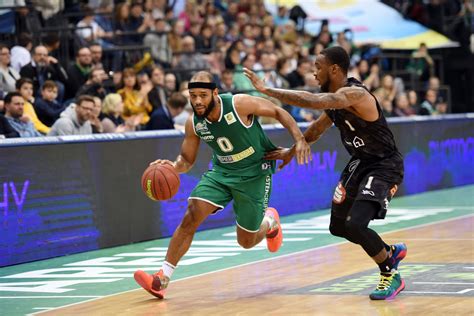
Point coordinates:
[[162, 162]]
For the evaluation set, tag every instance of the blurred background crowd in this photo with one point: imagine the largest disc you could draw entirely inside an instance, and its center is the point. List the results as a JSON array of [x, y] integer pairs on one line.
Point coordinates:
[[102, 66]]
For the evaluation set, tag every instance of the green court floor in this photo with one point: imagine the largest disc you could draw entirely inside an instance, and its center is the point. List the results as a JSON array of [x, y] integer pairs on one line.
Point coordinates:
[[43, 285]]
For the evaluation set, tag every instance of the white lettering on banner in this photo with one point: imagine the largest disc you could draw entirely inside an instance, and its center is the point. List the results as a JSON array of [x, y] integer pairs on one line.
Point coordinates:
[[122, 265], [48, 286]]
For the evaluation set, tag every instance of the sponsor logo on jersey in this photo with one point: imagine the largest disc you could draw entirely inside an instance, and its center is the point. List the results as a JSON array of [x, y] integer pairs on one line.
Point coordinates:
[[230, 118], [208, 138], [236, 157], [339, 194], [201, 127], [266, 166], [358, 142], [368, 192]]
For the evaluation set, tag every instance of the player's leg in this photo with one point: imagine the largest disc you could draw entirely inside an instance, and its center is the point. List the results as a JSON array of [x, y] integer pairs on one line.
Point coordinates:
[[371, 203], [207, 197], [255, 220]]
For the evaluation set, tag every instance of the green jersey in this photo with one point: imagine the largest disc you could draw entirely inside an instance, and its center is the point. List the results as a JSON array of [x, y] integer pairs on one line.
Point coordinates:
[[238, 149]]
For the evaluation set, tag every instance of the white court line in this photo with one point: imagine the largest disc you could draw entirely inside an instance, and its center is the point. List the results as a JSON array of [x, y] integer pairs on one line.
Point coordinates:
[[422, 292], [43, 307], [450, 283], [439, 239], [55, 296], [269, 259]]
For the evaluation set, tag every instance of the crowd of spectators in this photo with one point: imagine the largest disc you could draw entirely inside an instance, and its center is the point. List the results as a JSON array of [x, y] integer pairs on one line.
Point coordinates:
[[106, 89]]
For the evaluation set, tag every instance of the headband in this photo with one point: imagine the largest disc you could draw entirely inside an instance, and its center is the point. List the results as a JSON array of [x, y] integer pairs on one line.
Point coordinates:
[[202, 85]]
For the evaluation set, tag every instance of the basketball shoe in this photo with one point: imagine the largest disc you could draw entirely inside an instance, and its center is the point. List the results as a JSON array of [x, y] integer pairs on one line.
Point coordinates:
[[389, 286], [155, 284], [274, 235], [399, 251]]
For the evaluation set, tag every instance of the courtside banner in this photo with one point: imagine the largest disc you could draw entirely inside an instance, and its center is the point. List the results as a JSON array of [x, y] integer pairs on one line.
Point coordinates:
[[63, 195]]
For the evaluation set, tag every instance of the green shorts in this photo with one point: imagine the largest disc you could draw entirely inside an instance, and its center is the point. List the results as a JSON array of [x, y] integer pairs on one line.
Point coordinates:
[[250, 195]]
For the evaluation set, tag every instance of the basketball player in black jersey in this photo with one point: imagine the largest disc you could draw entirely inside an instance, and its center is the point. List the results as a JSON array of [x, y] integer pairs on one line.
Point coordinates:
[[375, 170]]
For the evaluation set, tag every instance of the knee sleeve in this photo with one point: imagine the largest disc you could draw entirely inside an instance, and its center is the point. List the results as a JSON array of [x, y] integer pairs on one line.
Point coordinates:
[[357, 230], [336, 227]]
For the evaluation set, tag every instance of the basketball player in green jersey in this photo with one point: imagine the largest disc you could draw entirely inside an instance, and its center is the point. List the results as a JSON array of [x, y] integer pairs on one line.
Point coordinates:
[[229, 125]]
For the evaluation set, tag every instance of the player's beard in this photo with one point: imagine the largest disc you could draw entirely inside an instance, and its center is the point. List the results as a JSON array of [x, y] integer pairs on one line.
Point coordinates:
[[210, 107], [325, 87]]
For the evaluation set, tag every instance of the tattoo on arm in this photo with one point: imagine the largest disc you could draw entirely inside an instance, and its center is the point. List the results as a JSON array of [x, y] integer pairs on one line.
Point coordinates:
[[309, 100]]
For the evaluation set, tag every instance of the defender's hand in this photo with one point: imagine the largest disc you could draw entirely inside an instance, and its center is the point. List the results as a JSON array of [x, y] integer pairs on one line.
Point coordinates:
[[256, 81], [303, 152]]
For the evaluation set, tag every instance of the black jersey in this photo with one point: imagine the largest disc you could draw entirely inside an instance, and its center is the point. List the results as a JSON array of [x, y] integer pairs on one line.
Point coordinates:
[[363, 139]]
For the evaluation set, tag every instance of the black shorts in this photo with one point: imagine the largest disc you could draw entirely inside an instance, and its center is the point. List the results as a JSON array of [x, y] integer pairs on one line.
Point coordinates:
[[371, 181]]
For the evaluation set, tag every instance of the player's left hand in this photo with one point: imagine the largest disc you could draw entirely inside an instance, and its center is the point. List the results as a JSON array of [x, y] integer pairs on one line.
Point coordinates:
[[256, 81], [281, 153]]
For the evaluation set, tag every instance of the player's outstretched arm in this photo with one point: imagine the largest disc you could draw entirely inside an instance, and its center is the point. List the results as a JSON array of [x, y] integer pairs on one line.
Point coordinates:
[[343, 98], [189, 149], [312, 134], [248, 105]]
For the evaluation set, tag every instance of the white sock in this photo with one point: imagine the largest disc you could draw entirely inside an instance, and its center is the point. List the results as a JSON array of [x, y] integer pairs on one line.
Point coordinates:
[[168, 269], [270, 220]]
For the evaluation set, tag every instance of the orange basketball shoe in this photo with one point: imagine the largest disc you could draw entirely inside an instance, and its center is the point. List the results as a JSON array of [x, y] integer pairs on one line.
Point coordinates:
[[155, 283], [274, 234]]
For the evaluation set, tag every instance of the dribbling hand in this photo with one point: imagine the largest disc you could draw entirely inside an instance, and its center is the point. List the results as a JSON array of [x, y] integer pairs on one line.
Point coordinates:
[[162, 162]]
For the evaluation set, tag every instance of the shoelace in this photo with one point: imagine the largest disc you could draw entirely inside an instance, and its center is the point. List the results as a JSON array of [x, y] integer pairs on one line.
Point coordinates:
[[385, 282]]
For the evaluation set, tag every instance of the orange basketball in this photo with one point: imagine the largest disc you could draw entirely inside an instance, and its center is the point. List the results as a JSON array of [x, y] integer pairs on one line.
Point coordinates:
[[160, 182]]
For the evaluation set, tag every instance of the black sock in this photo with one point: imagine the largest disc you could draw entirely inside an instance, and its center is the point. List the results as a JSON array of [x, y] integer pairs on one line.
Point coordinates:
[[386, 266]]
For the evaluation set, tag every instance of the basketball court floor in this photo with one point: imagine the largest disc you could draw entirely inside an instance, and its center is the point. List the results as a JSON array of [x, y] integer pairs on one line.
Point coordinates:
[[314, 273]]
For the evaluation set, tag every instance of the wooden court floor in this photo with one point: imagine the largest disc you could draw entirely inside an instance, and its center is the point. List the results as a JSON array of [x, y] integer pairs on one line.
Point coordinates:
[[289, 285]]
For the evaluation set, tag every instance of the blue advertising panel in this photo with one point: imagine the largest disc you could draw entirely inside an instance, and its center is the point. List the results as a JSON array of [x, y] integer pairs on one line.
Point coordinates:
[[73, 194]]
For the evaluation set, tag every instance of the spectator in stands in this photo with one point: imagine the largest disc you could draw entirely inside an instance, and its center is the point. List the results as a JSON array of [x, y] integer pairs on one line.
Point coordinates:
[[227, 81], [281, 18], [189, 15], [428, 106], [402, 106], [421, 63], [96, 122], [135, 104], [94, 86], [75, 119], [145, 82], [89, 30], [42, 68], [78, 72], [208, 37], [14, 112], [441, 108], [296, 78], [157, 95], [191, 60], [138, 21], [175, 38], [241, 82], [162, 118], [372, 82], [25, 87], [6, 130], [386, 94], [170, 83], [111, 118], [434, 84], [47, 106], [8, 75], [20, 54], [52, 43], [96, 56], [158, 43], [413, 100]]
